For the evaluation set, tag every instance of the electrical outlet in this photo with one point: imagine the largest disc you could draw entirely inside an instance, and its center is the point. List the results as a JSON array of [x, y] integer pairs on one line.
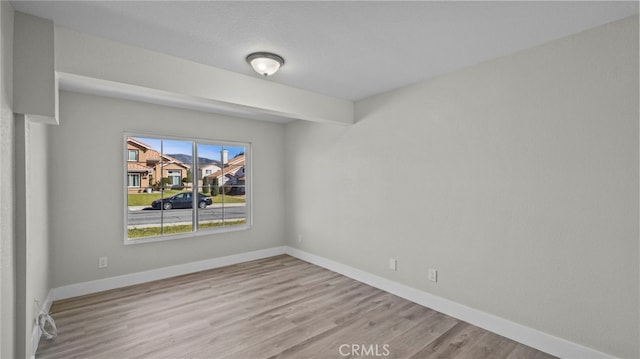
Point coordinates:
[[299, 238], [393, 264], [102, 262], [433, 275]]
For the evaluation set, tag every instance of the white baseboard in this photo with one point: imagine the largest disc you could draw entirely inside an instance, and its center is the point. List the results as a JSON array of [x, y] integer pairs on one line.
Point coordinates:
[[525, 335], [94, 286], [534, 338]]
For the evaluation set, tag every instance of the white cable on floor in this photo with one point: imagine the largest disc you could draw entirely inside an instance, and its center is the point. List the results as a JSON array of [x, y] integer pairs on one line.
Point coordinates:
[[46, 324]]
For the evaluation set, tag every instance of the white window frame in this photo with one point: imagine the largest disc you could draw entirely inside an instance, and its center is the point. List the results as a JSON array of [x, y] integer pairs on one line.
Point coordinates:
[[137, 159], [139, 180], [172, 177], [196, 231]]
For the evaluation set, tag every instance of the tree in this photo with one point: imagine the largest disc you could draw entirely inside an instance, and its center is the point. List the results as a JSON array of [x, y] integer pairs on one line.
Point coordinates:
[[205, 185], [189, 177], [215, 189]]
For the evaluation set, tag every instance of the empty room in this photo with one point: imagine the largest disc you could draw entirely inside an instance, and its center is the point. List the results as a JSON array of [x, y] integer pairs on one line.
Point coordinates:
[[319, 179]]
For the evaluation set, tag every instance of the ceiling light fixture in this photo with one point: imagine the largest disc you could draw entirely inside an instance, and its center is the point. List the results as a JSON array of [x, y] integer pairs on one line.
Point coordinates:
[[265, 63]]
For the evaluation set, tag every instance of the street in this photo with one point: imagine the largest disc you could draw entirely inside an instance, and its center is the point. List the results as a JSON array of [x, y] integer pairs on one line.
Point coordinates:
[[152, 217]]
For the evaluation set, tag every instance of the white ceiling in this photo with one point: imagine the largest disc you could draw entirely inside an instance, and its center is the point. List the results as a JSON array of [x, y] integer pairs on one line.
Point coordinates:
[[349, 50]]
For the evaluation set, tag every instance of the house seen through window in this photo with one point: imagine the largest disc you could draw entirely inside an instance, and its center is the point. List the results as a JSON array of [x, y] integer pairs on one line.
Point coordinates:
[[175, 187]]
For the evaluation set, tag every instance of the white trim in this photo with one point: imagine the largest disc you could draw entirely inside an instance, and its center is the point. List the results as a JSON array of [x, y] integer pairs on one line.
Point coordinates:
[[94, 286], [522, 334], [36, 333]]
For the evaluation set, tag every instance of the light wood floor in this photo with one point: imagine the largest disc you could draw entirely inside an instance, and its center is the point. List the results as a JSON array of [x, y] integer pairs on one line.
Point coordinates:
[[278, 307]]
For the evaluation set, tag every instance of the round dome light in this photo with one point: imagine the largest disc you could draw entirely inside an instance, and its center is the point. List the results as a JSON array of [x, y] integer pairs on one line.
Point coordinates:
[[265, 63]]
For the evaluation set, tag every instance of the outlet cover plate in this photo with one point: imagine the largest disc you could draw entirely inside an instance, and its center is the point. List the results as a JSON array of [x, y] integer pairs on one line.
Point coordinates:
[[393, 264], [433, 275]]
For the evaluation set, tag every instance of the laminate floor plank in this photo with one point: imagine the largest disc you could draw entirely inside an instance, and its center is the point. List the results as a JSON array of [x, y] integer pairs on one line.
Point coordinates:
[[431, 326], [453, 343], [326, 344], [524, 352], [491, 346], [278, 307]]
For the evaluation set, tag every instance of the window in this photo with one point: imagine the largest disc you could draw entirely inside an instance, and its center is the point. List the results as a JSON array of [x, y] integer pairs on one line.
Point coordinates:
[[133, 180], [133, 155], [164, 200], [175, 176]]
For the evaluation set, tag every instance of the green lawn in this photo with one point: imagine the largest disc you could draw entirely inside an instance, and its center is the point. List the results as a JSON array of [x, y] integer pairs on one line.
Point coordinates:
[[181, 228], [228, 199], [145, 199]]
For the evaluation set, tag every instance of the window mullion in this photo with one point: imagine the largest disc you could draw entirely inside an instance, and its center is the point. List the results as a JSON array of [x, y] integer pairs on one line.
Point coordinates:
[[194, 187], [161, 188]]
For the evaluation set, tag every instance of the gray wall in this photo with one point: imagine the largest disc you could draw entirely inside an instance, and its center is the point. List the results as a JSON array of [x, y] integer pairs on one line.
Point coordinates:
[[86, 184], [7, 273], [516, 178]]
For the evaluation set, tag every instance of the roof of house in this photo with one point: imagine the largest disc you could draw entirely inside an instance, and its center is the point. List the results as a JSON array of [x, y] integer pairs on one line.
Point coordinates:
[[239, 159], [178, 163], [136, 167], [153, 154], [225, 171], [138, 143]]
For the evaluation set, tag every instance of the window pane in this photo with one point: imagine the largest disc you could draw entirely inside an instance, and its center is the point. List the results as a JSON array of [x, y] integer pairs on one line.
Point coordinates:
[[142, 220], [176, 166], [149, 205], [223, 180], [209, 166], [233, 189], [133, 180], [133, 155]]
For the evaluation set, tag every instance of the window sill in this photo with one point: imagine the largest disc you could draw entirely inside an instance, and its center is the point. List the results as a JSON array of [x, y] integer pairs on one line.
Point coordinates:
[[202, 233]]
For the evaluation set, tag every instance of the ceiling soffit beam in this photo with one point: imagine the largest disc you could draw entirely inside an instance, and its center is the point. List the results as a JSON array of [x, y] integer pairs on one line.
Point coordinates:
[[114, 68], [93, 86], [35, 86]]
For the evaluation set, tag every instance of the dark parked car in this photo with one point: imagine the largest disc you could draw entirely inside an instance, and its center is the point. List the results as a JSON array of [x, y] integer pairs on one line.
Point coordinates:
[[181, 200]]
